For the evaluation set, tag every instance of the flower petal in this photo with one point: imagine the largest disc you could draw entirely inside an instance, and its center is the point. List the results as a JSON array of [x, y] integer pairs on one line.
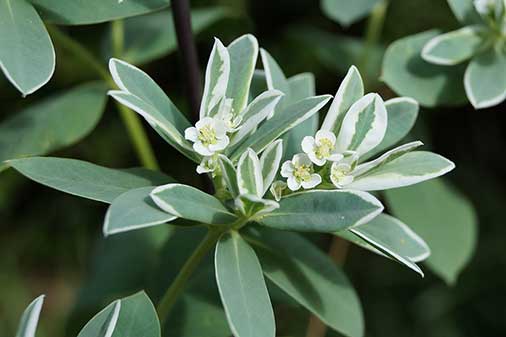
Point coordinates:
[[301, 159], [191, 134], [203, 122], [220, 144], [313, 182], [316, 160], [287, 169], [335, 157], [293, 184], [325, 134], [201, 149], [308, 144]]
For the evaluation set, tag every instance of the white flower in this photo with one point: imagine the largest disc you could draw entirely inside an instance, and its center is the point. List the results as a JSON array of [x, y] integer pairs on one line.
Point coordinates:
[[208, 164], [299, 172], [341, 172], [321, 148], [225, 112], [208, 136], [484, 7]]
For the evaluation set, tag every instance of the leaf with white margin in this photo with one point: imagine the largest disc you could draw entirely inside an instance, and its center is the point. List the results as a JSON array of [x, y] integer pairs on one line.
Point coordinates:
[[274, 75], [134, 210], [385, 158], [242, 288], [346, 12], [190, 203], [243, 53], [229, 174], [258, 110], [253, 206], [465, 11], [217, 76], [485, 79], [323, 211], [283, 120], [350, 90], [408, 169], [364, 125], [454, 47], [249, 174], [130, 316], [30, 318], [269, 161], [27, 56], [402, 113]]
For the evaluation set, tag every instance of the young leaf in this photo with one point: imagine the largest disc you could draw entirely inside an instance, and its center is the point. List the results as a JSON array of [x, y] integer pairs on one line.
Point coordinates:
[[364, 125], [130, 316], [134, 210], [243, 58], [347, 12], [274, 76], [30, 318], [249, 174], [85, 179], [323, 211], [242, 288], [27, 55], [269, 162], [48, 126], [310, 277], [485, 79], [217, 76], [402, 113], [408, 169], [443, 218], [350, 91], [282, 121], [190, 203], [94, 11], [251, 205], [229, 174], [465, 11]]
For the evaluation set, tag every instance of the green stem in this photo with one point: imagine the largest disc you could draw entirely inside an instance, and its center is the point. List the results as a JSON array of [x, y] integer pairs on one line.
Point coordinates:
[[176, 288], [132, 122]]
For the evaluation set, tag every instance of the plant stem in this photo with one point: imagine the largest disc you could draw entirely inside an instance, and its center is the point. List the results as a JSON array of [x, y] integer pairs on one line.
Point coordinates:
[[176, 288], [132, 122]]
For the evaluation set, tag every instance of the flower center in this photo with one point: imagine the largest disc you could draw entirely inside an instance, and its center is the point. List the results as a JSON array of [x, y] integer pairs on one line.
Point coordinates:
[[323, 149], [341, 172], [207, 135], [302, 173]]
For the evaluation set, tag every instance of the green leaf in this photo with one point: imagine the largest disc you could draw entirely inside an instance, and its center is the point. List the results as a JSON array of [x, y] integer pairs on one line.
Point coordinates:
[[27, 55], [216, 79], [464, 11], [269, 162], [393, 238], [190, 203], [323, 211], [402, 113], [253, 207], [128, 317], [243, 53], [274, 75], [310, 277], [229, 174], [485, 79], [134, 210], [363, 126], [150, 37], [53, 123], [85, 179], [347, 12], [408, 169], [454, 47], [242, 288], [30, 318], [94, 11], [350, 91], [282, 121], [444, 219], [408, 74], [249, 174]]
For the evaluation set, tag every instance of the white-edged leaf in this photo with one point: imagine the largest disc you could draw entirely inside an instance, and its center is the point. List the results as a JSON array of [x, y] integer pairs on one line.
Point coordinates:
[[346, 12], [134, 210], [485, 79], [229, 174], [454, 47], [269, 161], [242, 288], [249, 174], [350, 90], [274, 75], [364, 125], [408, 169], [465, 11], [243, 53], [190, 203], [30, 318], [217, 75], [251, 205]]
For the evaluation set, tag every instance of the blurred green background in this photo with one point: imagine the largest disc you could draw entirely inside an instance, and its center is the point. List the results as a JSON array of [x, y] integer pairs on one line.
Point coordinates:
[[52, 243]]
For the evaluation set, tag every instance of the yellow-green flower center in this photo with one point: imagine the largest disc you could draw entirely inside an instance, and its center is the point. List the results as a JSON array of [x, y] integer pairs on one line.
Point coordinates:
[[324, 149], [302, 173], [339, 173], [207, 135]]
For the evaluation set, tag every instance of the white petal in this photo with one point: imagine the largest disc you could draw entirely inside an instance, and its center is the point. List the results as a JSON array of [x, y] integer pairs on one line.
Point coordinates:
[[346, 180], [220, 128], [316, 160], [308, 144], [221, 143], [201, 149], [203, 122], [293, 184], [287, 169], [324, 134], [191, 134], [335, 157], [313, 182], [301, 159]]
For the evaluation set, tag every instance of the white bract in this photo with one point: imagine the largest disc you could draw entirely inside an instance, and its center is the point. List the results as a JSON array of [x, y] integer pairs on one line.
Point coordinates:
[[209, 135], [321, 148], [341, 172], [208, 165], [299, 172]]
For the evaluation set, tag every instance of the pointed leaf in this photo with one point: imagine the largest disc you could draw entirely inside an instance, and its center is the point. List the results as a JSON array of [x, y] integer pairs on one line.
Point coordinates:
[[323, 211], [464, 11], [229, 174], [253, 206], [269, 161], [242, 288], [346, 12], [190, 203], [30, 318], [27, 55], [274, 75], [249, 174]]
